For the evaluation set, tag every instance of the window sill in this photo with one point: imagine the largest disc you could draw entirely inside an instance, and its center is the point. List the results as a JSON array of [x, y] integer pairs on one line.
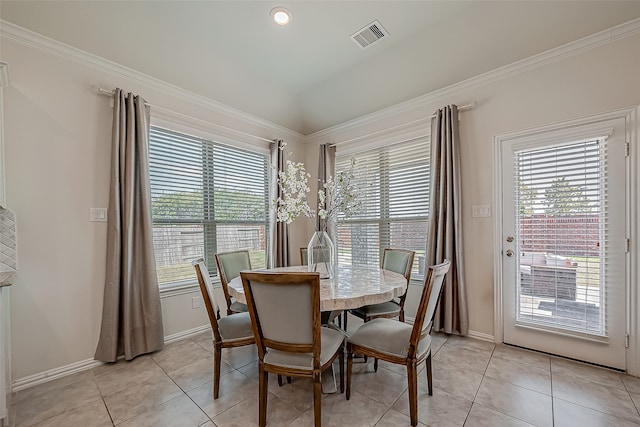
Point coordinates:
[[168, 290]]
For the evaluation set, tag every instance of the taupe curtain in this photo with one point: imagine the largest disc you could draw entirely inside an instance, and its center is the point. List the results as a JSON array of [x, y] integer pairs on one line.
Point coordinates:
[[326, 168], [279, 231], [131, 313], [445, 228]]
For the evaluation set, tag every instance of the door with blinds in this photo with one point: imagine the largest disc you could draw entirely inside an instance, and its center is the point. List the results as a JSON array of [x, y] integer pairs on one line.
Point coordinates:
[[564, 241]]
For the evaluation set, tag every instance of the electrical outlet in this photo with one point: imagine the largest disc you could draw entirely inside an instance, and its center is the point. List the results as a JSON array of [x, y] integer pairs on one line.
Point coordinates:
[[195, 302]]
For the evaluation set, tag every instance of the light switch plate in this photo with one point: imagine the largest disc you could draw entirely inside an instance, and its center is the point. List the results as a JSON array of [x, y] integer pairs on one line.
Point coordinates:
[[481, 211], [98, 214]]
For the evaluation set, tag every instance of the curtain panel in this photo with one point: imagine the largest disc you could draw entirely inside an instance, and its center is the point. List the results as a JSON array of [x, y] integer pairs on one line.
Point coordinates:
[[326, 168], [445, 227], [278, 254], [131, 315]]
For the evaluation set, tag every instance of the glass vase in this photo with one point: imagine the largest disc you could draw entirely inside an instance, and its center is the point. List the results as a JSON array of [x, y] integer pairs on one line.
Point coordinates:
[[321, 255]]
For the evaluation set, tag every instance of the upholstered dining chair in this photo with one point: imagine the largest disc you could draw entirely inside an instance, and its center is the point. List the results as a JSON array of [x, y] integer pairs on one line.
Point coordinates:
[[304, 258], [285, 314], [230, 264], [400, 343], [231, 331], [398, 261]]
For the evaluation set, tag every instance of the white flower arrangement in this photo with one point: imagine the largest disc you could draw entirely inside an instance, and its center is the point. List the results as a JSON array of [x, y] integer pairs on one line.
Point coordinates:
[[337, 195]]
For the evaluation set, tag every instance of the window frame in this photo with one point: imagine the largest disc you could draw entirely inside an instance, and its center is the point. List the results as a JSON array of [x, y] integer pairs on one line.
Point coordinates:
[[207, 131], [381, 140]]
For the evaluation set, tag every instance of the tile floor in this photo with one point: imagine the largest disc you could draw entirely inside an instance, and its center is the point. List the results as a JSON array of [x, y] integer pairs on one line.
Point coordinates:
[[475, 384]]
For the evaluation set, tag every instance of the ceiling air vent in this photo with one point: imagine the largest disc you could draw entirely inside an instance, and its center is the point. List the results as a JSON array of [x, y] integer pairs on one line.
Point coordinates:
[[369, 35]]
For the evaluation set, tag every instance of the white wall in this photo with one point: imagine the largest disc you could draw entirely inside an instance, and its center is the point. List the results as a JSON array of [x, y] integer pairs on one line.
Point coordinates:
[[598, 80], [57, 142], [57, 158]]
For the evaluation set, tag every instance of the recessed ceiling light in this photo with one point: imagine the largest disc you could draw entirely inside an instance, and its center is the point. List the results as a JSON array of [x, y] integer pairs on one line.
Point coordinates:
[[281, 15]]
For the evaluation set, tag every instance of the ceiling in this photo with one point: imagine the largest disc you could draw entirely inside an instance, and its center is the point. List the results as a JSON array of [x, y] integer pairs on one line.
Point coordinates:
[[310, 75]]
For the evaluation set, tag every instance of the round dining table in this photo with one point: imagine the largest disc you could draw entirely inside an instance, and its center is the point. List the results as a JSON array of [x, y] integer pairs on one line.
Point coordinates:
[[351, 287]]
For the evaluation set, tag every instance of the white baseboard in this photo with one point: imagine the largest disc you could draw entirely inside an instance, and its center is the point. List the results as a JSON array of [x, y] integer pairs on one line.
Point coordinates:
[[54, 374], [83, 365], [472, 334], [481, 336], [186, 334]]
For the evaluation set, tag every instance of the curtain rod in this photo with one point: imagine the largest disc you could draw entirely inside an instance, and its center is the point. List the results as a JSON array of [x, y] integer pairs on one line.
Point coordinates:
[[469, 106], [105, 92]]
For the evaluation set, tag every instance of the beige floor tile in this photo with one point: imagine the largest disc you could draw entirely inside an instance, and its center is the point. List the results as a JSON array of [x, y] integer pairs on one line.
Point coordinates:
[[234, 388], [521, 374], [93, 414], [585, 392], [359, 411], [245, 413], [49, 403], [238, 357], [394, 418], [452, 379], [298, 394], [197, 373], [180, 354], [137, 399], [635, 397], [465, 358], [631, 383], [208, 424], [125, 374], [179, 411], [567, 414], [384, 386], [533, 358], [480, 416], [471, 343], [592, 373], [441, 409], [205, 340], [518, 402], [44, 388], [438, 339]]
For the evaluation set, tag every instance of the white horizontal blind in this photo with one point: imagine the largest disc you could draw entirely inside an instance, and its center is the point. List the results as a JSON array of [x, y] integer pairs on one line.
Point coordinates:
[[393, 184], [206, 198], [561, 217]]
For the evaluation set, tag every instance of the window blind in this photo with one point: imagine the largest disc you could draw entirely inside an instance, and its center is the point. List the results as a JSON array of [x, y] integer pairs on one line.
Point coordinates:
[[393, 183], [206, 198], [561, 215]]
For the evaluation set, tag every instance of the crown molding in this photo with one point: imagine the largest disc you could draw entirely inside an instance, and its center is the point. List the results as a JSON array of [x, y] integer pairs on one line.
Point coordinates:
[[30, 38], [627, 29]]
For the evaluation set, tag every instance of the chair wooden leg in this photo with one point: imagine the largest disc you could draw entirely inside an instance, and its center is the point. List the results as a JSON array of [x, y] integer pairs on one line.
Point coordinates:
[[288, 380], [263, 380], [280, 380], [346, 314], [341, 361], [401, 316], [429, 375], [217, 360], [349, 368], [412, 376], [317, 399]]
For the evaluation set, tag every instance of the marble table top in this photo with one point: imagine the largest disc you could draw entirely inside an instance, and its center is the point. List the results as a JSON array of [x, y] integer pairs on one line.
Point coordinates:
[[353, 287]]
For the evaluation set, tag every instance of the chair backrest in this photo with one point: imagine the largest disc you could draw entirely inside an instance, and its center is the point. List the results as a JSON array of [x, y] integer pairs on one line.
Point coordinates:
[[433, 284], [285, 311], [323, 255], [206, 288], [398, 261], [230, 264]]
